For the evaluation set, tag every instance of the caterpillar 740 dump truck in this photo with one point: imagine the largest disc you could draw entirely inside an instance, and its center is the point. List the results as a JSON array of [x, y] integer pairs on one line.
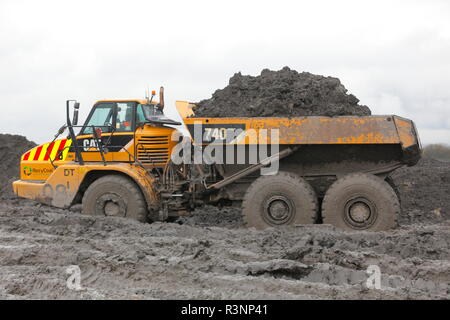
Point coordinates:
[[129, 160]]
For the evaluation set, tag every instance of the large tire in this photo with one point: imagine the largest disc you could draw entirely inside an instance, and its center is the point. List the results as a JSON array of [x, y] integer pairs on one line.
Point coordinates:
[[282, 199], [115, 195], [361, 202]]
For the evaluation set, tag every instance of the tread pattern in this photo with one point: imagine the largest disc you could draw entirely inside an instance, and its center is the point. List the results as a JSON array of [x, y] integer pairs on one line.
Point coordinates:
[[139, 206], [361, 178], [285, 177]]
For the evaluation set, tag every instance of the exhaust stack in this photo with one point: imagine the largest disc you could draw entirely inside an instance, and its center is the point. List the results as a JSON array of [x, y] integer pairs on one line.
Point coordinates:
[[161, 99]]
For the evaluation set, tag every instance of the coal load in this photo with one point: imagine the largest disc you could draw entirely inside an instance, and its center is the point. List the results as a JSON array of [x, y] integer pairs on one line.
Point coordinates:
[[11, 149], [283, 93]]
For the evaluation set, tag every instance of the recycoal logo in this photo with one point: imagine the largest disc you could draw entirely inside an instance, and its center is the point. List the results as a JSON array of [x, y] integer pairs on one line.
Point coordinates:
[[27, 171]]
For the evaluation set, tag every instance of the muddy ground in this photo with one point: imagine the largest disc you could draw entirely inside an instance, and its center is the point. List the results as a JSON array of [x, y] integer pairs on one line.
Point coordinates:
[[200, 259], [282, 93]]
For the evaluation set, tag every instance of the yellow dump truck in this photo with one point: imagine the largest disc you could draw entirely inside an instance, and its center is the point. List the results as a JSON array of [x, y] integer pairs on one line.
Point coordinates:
[[128, 159]]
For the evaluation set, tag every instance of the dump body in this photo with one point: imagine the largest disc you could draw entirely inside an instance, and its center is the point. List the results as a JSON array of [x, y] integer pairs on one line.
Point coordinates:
[[371, 130], [320, 130], [342, 130], [326, 145]]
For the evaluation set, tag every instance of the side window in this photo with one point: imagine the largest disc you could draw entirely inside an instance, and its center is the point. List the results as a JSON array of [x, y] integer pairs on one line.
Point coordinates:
[[101, 118], [124, 119], [146, 109], [140, 118]]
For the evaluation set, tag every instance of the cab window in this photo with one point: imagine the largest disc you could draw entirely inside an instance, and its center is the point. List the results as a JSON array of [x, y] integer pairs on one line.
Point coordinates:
[[111, 116], [101, 118], [146, 109], [140, 117], [124, 118]]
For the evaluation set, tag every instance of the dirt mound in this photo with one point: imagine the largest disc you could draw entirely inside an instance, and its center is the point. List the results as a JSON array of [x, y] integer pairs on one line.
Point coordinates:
[[284, 93], [424, 191], [11, 149]]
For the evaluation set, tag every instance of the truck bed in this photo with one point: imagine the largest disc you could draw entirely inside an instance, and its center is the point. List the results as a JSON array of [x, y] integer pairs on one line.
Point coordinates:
[[351, 130]]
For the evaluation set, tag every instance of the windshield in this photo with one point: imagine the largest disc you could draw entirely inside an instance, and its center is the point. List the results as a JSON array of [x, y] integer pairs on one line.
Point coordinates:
[[144, 111], [111, 116], [151, 113], [148, 111], [102, 117]]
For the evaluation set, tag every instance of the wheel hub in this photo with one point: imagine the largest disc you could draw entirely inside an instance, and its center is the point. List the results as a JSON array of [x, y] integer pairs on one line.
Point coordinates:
[[111, 209], [278, 210], [111, 204], [360, 213]]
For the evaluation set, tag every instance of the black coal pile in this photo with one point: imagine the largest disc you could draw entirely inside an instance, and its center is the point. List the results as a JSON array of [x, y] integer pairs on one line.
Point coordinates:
[[283, 93], [11, 149], [424, 191]]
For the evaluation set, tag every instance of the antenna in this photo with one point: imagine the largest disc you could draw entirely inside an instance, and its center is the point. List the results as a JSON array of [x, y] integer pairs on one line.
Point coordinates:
[[147, 94]]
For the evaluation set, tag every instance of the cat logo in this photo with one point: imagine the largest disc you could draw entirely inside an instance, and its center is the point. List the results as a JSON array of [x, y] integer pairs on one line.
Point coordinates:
[[88, 144]]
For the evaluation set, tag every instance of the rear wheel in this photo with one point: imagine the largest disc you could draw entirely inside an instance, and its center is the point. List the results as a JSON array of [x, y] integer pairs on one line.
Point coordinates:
[[115, 195], [361, 202], [282, 199]]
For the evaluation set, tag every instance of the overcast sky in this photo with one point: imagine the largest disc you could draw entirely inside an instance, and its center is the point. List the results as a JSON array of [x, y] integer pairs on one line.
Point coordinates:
[[393, 55]]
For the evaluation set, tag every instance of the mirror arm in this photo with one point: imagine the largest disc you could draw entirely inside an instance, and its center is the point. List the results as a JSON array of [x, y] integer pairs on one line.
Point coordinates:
[[72, 134]]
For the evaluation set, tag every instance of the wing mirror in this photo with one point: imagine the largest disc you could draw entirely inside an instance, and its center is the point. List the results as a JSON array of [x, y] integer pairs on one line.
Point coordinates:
[[76, 107]]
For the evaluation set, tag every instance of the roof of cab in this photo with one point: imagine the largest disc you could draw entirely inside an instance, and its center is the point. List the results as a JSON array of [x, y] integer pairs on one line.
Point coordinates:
[[141, 101]]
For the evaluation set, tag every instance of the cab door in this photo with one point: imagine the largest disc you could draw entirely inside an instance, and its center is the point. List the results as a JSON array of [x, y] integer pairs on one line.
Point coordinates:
[[115, 122]]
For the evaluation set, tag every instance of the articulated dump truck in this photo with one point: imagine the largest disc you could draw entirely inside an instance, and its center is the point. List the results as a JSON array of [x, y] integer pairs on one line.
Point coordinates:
[[129, 160]]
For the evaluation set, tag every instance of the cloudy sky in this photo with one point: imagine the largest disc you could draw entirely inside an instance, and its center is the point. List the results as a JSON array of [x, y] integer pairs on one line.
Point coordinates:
[[393, 55]]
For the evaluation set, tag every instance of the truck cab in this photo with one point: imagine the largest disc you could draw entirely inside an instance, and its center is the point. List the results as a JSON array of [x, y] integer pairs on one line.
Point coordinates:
[[127, 130], [127, 139]]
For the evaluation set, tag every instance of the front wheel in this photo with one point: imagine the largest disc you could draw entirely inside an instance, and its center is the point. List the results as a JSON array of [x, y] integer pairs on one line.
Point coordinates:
[[115, 195], [361, 202]]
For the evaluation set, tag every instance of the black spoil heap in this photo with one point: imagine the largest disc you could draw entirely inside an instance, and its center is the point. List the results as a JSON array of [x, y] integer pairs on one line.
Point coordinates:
[[284, 93]]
